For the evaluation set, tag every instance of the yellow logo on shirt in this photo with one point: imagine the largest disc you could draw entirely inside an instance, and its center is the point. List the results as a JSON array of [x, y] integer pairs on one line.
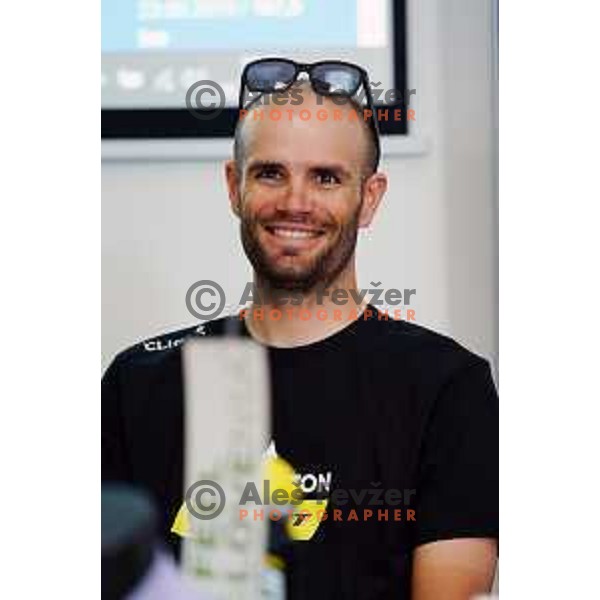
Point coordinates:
[[303, 522]]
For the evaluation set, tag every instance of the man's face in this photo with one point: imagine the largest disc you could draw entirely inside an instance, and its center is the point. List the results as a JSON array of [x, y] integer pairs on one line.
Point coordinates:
[[300, 197]]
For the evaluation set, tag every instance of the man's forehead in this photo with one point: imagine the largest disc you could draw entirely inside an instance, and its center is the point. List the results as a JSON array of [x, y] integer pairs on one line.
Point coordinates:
[[296, 140]]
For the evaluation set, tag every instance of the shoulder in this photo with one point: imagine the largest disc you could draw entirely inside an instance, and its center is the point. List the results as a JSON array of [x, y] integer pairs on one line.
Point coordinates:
[[158, 351], [444, 388], [419, 350]]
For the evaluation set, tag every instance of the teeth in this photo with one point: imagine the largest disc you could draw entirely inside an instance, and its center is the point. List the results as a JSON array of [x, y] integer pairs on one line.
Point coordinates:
[[294, 233]]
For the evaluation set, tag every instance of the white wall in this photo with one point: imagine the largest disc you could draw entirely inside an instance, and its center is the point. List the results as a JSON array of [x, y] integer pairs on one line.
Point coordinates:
[[167, 224]]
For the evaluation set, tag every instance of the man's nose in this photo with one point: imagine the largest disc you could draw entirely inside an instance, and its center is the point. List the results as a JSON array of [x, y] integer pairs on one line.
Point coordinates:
[[296, 196]]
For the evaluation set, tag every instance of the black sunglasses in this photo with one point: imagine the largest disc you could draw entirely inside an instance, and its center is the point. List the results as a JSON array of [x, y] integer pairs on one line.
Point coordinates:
[[327, 78]]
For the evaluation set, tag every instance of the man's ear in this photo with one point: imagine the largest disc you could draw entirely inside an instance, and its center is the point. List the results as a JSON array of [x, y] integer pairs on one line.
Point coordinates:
[[233, 186], [374, 187]]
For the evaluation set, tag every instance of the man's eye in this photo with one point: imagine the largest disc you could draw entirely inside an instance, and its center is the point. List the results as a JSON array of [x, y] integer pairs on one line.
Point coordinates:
[[327, 178], [269, 173]]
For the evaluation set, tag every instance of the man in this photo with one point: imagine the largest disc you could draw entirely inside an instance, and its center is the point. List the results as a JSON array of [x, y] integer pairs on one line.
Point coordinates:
[[363, 401]]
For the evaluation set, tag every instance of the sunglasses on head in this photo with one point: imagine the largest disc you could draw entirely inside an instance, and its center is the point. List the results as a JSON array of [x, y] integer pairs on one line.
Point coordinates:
[[327, 78]]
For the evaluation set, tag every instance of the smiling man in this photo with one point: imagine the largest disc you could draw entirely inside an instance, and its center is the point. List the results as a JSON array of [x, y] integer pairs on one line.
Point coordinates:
[[392, 405], [302, 188]]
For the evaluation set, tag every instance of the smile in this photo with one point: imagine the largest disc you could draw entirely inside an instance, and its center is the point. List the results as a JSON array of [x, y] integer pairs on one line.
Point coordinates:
[[294, 233]]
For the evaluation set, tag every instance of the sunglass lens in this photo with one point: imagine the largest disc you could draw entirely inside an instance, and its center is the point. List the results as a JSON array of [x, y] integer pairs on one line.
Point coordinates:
[[334, 79], [269, 76]]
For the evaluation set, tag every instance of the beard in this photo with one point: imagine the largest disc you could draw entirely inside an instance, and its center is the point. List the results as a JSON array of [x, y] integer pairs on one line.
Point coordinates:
[[304, 274]]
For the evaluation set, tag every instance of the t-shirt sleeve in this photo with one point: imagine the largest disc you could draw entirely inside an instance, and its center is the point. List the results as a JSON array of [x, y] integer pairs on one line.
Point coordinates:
[[114, 457], [458, 484]]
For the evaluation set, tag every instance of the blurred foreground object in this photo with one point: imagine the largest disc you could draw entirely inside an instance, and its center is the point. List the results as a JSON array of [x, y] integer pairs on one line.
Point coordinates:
[[165, 581], [132, 566], [227, 403]]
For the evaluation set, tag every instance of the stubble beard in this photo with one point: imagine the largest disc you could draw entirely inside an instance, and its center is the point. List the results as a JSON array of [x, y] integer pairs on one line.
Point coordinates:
[[320, 272]]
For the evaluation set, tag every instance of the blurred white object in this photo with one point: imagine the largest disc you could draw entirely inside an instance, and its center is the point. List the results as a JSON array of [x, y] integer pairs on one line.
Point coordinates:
[[164, 581], [226, 421]]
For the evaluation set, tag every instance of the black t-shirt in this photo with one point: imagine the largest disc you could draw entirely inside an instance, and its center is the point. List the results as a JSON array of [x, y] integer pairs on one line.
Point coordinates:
[[381, 404]]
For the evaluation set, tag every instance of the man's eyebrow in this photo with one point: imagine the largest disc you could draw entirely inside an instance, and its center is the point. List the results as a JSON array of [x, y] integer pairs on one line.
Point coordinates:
[[336, 168], [257, 165]]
